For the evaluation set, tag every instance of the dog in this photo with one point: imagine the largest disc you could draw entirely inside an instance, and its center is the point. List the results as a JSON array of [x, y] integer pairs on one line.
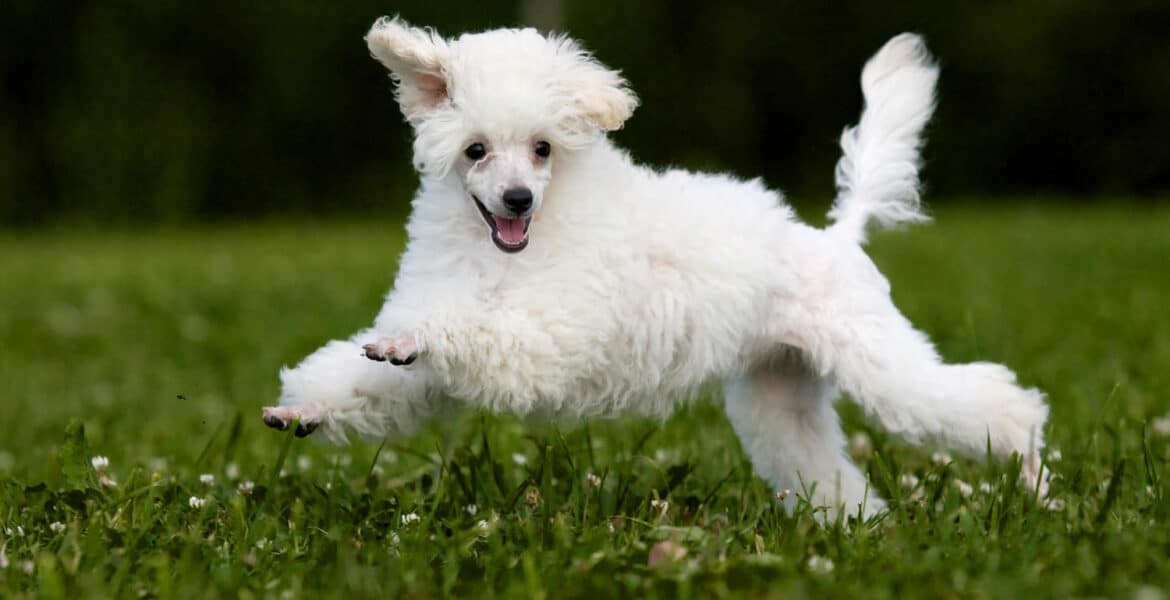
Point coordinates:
[[547, 273]]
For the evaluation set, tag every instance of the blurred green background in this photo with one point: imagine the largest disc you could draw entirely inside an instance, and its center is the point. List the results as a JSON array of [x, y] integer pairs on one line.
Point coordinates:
[[141, 112]]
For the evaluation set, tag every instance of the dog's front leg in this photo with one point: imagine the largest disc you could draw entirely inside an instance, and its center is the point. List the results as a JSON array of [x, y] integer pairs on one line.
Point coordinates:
[[337, 389]]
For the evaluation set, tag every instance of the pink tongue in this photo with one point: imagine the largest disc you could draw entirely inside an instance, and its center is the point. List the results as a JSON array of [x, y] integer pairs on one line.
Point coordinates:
[[511, 231]]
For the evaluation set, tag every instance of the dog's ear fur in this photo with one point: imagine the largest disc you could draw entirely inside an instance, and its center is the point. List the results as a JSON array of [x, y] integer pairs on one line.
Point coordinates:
[[602, 94], [604, 97], [417, 61]]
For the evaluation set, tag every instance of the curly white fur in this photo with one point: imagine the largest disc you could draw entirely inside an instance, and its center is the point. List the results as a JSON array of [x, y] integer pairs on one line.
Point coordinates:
[[639, 287]]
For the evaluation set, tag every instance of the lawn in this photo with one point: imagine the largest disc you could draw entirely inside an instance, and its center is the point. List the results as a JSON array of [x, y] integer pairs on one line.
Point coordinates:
[[156, 349]]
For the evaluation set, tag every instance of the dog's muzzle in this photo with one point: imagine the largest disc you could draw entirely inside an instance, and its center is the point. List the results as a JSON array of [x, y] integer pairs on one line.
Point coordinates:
[[509, 234]]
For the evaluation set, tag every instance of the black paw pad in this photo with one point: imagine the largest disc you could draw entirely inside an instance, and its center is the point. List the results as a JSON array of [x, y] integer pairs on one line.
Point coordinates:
[[304, 429], [403, 361], [372, 353], [275, 422]]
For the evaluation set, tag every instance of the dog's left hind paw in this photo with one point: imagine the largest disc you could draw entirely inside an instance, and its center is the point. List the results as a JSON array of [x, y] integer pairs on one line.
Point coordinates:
[[307, 417], [1035, 475]]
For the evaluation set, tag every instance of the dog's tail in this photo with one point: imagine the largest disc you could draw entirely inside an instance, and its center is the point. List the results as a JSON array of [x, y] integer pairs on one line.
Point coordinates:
[[877, 176]]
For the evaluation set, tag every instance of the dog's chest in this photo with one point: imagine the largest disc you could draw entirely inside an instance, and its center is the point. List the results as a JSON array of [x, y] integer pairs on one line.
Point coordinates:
[[619, 309]]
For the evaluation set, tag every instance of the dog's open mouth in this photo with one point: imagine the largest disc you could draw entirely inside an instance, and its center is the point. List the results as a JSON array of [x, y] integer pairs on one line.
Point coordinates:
[[509, 235]]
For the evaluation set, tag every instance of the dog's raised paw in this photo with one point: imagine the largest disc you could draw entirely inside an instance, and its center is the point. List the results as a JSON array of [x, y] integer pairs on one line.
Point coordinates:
[[280, 418], [400, 350]]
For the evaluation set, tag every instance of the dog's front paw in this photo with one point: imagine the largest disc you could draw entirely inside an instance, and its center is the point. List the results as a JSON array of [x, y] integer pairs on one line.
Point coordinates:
[[399, 350], [307, 417]]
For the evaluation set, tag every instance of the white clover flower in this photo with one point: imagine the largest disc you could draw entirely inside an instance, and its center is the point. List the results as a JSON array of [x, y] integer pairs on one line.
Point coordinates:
[[664, 552], [782, 495], [207, 479], [99, 463], [964, 488], [909, 481], [394, 539], [1054, 455], [985, 487], [860, 445], [519, 459], [471, 509], [57, 526], [820, 564], [409, 518], [1055, 504], [28, 567], [592, 480], [1161, 426], [482, 525], [377, 471], [245, 488], [661, 505], [196, 502], [232, 471], [262, 543], [940, 458], [328, 485], [304, 463]]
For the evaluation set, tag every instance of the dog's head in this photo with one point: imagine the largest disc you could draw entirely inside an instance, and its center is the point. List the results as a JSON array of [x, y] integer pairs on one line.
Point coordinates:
[[498, 110]]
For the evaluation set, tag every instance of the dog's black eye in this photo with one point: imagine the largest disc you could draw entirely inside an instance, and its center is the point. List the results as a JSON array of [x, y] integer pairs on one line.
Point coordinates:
[[475, 151], [542, 149]]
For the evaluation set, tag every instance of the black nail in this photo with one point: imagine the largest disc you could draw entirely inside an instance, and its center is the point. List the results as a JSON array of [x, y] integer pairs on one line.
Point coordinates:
[[304, 429], [404, 361]]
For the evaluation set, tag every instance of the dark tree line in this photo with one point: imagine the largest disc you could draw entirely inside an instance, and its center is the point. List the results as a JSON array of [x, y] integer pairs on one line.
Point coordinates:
[[146, 111]]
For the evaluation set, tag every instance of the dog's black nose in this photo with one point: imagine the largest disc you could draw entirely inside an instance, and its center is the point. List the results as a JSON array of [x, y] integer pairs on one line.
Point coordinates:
[[518, 200]]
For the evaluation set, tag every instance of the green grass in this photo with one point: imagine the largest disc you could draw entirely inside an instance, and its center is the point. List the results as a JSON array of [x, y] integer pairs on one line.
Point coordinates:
[[164, 345]]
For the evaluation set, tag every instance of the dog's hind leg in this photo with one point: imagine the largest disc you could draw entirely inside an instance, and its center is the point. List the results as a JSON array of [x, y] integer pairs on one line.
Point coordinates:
[[783, 413], [875, 355]]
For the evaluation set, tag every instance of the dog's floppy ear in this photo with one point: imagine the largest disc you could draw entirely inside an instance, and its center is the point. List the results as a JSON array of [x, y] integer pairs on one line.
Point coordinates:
[[417, 61], [605, 99], [602, 94]]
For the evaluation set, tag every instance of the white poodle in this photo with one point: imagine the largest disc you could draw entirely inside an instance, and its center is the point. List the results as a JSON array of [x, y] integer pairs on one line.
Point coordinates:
[[547, 273]]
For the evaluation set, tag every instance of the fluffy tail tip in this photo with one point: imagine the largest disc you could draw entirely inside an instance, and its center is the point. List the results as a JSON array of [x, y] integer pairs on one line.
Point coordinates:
[[877, 176]]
